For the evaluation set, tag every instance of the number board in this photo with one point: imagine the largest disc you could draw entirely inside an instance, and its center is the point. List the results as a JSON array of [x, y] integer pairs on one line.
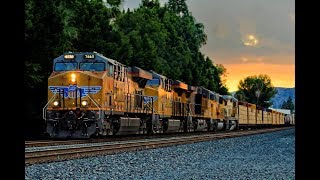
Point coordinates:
[[68, 56], [89, 56]]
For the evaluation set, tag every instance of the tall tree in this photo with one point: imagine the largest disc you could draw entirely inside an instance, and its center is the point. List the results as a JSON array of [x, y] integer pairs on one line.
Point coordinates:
[[94, 21], [68, 31], [159, 38], [50, 30], [221, 79], [240, 96], [257, 90], [288, 104], [115, 3], [179, 7], [32, 72], [144, 35], [152, 37]]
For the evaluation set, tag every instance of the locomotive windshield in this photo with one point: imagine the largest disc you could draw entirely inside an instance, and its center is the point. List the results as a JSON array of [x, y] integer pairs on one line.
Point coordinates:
[[153, 82], [65, 66], [92, 66]]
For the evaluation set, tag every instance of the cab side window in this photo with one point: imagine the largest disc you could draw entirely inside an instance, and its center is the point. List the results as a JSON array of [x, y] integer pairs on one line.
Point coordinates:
[[110, 69]]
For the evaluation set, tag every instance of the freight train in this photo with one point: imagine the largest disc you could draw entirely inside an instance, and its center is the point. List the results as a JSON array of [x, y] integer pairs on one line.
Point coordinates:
[[92, 95]]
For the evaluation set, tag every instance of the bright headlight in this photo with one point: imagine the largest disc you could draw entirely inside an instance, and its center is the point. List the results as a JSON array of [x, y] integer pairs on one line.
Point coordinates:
[[56, 103], [84, 103], [73, 77]]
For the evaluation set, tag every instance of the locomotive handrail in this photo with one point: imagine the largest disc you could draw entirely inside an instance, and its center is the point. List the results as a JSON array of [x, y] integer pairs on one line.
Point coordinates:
[[188, 112], [97, 104], [44, 112], [149, 106]]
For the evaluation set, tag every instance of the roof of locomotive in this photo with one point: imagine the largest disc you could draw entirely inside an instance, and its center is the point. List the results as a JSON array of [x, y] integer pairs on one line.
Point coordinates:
[[180, 85], [156, 75], [80, 56], [228, 97], [141, 73]]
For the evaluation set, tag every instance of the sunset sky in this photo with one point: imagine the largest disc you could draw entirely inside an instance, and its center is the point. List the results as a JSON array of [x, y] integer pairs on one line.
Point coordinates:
[[248, 37]]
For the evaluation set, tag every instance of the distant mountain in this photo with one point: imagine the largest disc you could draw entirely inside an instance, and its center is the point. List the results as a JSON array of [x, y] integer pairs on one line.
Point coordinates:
[[282, 95]]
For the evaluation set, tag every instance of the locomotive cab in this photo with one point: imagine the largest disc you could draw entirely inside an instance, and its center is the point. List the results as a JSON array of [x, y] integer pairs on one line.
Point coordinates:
[[162, 87], [74, 95], [230, 109]]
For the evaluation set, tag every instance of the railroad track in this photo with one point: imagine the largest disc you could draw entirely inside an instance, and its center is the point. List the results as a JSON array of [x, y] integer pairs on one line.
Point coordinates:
[[29, 144], [93, 149], [42, 143]]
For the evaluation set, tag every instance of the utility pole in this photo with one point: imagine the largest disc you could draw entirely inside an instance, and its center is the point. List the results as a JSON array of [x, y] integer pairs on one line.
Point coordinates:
[[258, 91]]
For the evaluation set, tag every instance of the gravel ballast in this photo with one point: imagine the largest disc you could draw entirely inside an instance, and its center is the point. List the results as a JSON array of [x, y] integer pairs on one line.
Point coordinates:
[[264, 156]]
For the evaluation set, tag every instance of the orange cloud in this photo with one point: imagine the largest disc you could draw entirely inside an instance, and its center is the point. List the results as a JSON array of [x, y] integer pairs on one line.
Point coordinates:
[[282, 75]]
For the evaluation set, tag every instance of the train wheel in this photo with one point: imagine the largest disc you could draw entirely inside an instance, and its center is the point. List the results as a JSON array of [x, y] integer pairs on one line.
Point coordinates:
[[209, 127], [214, 126], [237, 127]]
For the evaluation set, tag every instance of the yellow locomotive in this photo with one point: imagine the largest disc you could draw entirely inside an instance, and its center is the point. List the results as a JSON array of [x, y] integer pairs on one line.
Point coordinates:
[[90, 94]]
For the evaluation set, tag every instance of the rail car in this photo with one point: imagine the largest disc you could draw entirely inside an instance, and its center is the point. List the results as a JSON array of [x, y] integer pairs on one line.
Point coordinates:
[[92, 95]]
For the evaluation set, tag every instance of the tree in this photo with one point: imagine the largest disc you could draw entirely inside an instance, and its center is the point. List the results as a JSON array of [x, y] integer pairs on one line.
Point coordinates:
[[115, 3], [159, 38], [288, 104], [256, 90], [178, 6], [166, 39], [54, 27], [221, 79], [240, 96]]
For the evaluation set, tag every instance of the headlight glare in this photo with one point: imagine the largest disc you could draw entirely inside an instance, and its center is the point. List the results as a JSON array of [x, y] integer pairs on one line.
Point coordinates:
[[84, 103], [56, 103], [73, 77]]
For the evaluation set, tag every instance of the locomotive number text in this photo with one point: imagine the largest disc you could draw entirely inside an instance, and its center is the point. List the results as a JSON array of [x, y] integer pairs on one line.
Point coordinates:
[[89, 56]]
